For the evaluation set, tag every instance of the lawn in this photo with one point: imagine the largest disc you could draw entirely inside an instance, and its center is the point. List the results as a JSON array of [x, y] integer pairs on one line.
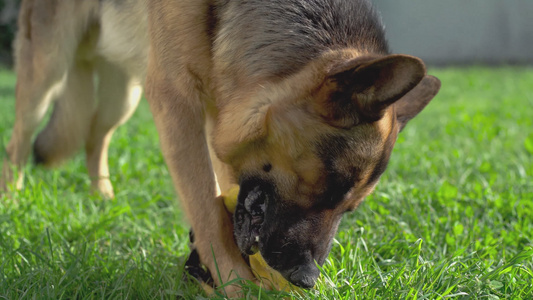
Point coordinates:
[[451, 218]]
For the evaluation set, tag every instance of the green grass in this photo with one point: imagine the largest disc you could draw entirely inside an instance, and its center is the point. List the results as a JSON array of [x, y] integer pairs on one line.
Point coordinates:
[[451, 218]]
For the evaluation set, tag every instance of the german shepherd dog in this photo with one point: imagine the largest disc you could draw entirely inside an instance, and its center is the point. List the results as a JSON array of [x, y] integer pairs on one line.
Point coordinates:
[[299, 102]]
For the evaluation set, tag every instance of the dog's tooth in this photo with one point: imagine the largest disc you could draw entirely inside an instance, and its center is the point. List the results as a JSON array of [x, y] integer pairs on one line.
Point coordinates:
[[257, 239]]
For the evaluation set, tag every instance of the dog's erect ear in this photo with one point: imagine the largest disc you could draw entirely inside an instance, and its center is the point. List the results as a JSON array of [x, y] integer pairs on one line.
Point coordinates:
[[415, 100], [359, 90]]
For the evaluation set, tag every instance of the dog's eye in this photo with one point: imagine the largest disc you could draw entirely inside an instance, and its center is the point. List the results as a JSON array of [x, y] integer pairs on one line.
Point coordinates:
[[267, 167]]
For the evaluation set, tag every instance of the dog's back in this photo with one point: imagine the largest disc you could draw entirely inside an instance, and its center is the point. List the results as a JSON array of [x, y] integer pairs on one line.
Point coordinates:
[[279, 37]]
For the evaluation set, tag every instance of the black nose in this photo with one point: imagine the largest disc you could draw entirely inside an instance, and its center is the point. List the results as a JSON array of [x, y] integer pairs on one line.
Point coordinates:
[[305, 276]]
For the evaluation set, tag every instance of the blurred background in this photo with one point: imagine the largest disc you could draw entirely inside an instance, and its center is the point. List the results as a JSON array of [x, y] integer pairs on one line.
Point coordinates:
[[455, 32], [460, 32], [8, 26]]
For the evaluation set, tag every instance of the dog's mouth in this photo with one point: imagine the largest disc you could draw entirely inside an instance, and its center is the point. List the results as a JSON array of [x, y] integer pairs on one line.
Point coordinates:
[[248, 219]]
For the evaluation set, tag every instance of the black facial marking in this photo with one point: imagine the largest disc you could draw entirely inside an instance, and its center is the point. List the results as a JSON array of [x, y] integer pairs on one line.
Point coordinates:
[[337, 184], [380, 167], [267, 167], [383, 160]]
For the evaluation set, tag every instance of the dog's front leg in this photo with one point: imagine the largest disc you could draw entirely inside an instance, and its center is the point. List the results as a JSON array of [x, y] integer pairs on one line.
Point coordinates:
[[180, 123]]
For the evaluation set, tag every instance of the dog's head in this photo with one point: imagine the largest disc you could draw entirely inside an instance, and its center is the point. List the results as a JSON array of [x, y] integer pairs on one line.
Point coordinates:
[[309, 148]]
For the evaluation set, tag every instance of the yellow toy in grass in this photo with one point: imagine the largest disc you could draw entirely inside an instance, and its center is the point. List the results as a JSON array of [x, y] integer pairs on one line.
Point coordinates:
[[260, 268]]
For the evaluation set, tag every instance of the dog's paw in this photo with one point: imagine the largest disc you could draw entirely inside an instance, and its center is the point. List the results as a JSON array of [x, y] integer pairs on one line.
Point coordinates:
[[7, 177], [103, 187]]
